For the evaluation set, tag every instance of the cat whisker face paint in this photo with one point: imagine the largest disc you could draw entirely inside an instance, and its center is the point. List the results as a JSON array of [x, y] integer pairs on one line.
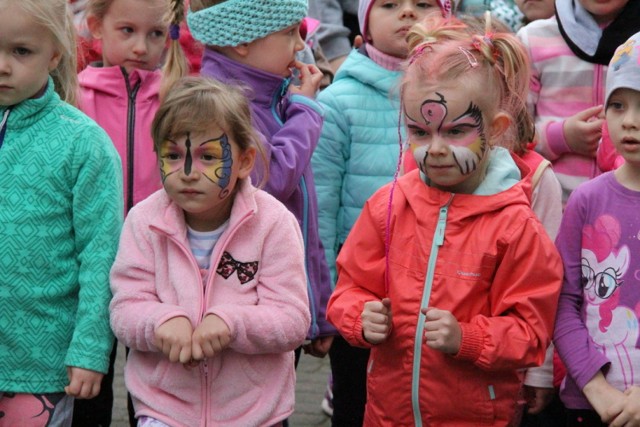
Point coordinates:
[[212, 157], [446, 134]]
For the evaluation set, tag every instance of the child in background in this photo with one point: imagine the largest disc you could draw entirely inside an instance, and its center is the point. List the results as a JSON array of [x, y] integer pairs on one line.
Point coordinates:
[[122, 93], [262, 58], [210, 274], [569, 54], [535, 9], [60, 216], [356, 155], [436, 275], [597, 324]]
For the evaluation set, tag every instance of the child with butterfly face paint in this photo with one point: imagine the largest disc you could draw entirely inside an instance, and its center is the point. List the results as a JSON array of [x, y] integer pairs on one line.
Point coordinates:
[[447, 274], [209, 284]]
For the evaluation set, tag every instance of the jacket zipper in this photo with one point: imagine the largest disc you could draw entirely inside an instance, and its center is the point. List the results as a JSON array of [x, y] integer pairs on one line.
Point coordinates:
[[131, 123], [4, 125], [438, 240]]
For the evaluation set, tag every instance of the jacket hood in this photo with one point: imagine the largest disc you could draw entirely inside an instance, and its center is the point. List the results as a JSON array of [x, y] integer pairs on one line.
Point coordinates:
[[362, 68], [111, 80], [507, 183]]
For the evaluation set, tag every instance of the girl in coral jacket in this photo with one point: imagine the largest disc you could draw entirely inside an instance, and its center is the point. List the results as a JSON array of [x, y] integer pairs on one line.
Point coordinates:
[[447, 275], [122, 92], [209, 286]]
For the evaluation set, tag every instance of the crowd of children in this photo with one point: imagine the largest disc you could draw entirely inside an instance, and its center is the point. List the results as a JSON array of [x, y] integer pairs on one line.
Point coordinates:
[[453, 220]]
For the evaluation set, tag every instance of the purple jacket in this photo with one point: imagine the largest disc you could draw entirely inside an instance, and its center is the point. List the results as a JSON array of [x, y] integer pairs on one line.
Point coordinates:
[[291, 126]]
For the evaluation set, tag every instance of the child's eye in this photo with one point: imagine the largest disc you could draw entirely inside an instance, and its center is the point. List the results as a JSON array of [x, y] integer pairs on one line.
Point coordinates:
[[388, 5], [423, 4], [158, 34], [22, 51], [126, 30], [171, 156], [615, 105], [208, 157], [455, 132]]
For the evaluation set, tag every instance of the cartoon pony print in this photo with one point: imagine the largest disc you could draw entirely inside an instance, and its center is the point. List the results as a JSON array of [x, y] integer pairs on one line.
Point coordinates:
[[611, 326], [623, 54]]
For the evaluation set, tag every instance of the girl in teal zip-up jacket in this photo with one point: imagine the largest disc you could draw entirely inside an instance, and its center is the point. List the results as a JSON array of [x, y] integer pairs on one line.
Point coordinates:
[[60, 218]]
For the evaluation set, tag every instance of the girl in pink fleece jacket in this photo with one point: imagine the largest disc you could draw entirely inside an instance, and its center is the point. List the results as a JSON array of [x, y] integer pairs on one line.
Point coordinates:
[[209, 286]]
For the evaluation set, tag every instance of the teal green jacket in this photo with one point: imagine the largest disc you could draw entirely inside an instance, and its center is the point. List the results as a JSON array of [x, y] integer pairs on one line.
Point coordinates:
[[358, 148], [61, 212]]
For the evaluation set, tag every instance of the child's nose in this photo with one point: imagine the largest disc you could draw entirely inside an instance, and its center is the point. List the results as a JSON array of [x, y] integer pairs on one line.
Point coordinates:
[[140, 46], [5, 67], [438, 147], [408, 10]]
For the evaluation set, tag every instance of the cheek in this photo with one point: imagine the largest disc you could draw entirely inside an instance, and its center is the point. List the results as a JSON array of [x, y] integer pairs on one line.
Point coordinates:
[[420, 153], [167, 169]]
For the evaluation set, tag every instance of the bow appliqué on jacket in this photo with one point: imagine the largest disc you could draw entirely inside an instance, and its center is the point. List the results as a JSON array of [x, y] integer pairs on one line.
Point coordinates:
[[245, 270]]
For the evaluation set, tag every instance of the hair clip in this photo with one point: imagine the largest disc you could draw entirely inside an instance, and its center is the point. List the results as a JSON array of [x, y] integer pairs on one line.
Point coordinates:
[[418, 51], [472, 59], [445, 7], [174, 31]]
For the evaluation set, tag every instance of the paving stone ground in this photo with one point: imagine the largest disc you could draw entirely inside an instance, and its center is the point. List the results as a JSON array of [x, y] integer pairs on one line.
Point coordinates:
[[311, 383]]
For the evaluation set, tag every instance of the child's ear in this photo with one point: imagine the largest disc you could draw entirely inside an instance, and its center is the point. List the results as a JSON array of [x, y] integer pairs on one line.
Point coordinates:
[[242, 50], [499, 126], [95, 26], [247, 158], [55, 60]]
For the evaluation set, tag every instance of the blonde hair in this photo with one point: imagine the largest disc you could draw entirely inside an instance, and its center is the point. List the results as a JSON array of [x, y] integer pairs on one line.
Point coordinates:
[[176, 64], [55, 16], [181, 112], [197, 5], [443, 49]]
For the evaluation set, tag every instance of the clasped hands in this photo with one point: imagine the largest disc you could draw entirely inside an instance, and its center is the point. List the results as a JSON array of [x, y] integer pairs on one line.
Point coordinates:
[[441, 329], [177, 339]]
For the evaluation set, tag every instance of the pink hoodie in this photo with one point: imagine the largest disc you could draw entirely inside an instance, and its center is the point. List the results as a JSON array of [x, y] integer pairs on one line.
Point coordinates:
[[125, 109], [155, 278]]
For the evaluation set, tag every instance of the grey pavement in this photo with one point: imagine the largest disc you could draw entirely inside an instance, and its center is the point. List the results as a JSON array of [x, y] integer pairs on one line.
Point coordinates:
[[311, 383]]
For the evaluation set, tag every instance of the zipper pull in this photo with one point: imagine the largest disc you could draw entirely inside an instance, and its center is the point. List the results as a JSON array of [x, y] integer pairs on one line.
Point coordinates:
[[285, 86]]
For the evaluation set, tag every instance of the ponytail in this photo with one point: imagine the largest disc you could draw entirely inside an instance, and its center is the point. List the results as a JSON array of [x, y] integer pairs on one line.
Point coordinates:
[[176, 65]]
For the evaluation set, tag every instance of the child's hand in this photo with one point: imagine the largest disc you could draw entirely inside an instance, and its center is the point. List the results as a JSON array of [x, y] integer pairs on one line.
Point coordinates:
[[376, 320], [318, 347], [583, 130], [628, 410], [607, 400], [173, 338], [442, 330], [537, 398], [210, 337], [83, 383], [310, 78]]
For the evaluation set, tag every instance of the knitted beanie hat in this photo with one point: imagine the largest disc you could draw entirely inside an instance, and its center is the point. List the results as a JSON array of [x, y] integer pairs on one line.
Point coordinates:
[[364, 7], [624, 68], [234, 22]]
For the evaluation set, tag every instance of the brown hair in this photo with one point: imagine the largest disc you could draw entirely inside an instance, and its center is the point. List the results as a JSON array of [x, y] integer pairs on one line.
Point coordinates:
[[193, 103]]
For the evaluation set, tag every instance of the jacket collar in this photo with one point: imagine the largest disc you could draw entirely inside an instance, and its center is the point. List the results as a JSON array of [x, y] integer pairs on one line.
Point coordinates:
[[170, 220], [111, 80], [264, 86], [29, 111]]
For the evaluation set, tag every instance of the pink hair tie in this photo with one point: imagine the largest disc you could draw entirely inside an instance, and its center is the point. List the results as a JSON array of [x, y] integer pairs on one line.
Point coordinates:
[[445, 7]]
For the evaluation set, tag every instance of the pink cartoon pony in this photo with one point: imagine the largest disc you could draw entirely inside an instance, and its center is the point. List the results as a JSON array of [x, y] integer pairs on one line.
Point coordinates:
[[611, 326]]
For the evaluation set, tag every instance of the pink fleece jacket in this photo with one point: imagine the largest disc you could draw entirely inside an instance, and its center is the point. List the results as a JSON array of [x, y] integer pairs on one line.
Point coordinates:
[[155, 278], [124, 106]]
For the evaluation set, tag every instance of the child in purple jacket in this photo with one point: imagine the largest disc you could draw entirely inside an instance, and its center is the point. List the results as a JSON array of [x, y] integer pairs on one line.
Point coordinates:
[[254, 44]]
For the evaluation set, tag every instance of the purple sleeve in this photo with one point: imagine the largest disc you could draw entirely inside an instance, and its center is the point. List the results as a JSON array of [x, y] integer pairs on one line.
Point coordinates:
[[289, 149], [571, 337]]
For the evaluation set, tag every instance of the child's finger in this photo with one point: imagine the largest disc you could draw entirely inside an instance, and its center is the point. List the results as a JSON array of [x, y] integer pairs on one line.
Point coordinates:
[[185, 354]]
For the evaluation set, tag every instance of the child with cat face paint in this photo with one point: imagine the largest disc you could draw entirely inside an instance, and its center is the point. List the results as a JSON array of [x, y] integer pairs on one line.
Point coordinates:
[[447, 274]]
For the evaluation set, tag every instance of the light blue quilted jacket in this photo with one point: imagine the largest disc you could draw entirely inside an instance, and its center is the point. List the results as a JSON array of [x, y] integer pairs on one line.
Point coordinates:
[[358, 149]]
